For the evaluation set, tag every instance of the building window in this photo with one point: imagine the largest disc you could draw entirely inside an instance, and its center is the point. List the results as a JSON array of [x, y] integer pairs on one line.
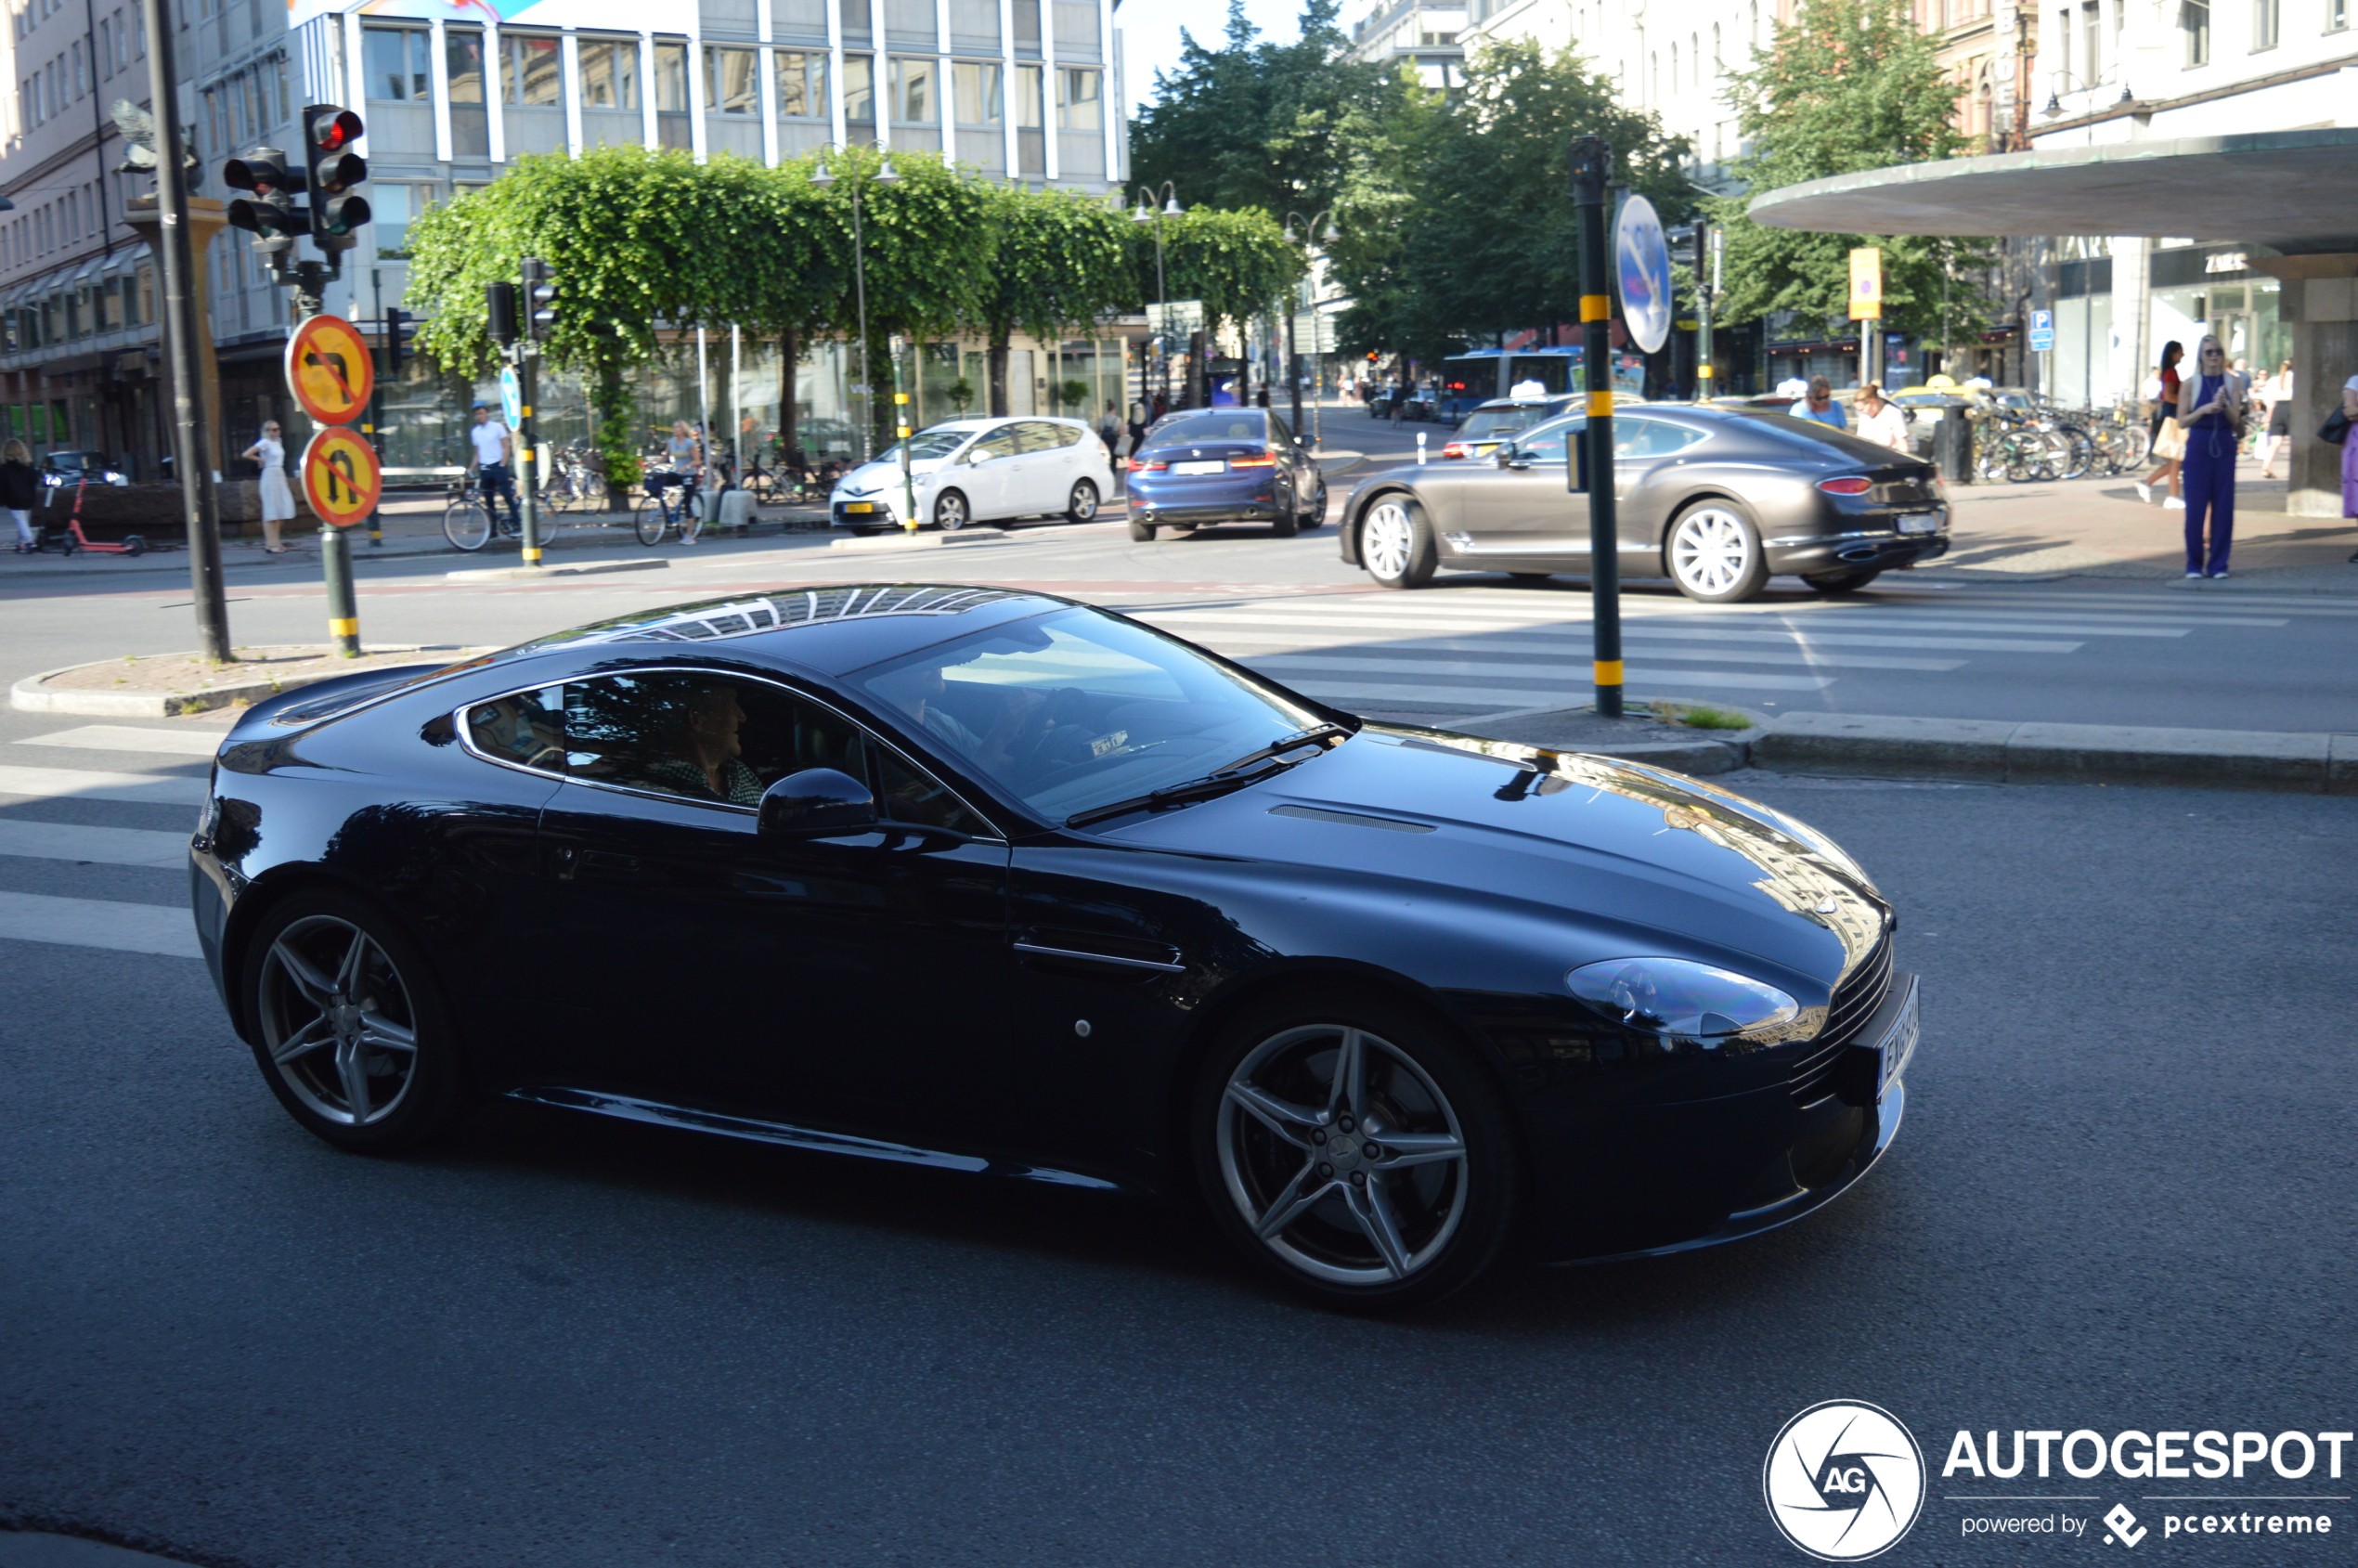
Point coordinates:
[[463, 61], [395, 58], [1027, 26], [855, 16], [802, 86], [2337, 15], [974, 90], [2195, 17], [729, 82], [671, 79], [860, 90], [2266, 18], [913, 93], [529, 71], [2092, 29], [392, 208], [1078, 106], [609, 73], [1029, 113]]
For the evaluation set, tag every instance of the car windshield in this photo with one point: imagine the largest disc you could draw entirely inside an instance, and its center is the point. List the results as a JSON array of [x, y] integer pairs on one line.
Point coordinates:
[[925, 446], [1499, 421], [1074, 709], [1197, 429]]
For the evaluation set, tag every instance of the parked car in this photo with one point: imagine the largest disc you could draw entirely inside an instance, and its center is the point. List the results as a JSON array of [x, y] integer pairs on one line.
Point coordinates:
[[1495, 420], [76, 468], [979, 471], [1716, 499], [998, 882], [1223, 465]]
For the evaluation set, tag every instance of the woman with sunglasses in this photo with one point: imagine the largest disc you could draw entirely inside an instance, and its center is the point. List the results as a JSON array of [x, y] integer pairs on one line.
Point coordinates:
[[277, 496], [2210, 416]]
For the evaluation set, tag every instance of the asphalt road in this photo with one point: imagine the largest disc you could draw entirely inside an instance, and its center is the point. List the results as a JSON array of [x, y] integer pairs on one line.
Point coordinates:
[[2122, 1198]]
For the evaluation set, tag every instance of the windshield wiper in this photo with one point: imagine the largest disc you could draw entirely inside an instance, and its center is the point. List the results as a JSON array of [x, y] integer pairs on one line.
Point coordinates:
[[1228, 777]]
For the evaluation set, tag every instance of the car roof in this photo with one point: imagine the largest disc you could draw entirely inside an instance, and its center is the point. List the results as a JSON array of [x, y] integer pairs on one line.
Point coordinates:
[[828, 629]]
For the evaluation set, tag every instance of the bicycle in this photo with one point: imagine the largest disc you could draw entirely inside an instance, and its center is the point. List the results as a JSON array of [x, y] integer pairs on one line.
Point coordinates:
[[657, 515], [468, 522]]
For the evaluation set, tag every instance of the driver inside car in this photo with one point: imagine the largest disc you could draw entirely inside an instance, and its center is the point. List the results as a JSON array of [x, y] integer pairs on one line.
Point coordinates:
[[918, 692]]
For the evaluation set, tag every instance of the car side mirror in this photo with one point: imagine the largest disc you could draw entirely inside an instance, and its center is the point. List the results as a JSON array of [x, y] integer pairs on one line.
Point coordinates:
[[818, 803], [978, 455], [1513, 455]]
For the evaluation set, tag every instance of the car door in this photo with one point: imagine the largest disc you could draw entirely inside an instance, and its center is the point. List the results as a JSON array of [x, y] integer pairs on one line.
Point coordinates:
[[1515, 502], [1647, 454], [852, 983], [1039, 484], [985, 472]]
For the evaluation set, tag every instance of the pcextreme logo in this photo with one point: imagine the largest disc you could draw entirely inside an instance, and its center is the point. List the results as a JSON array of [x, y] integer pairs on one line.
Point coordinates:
[[1844, 1481]]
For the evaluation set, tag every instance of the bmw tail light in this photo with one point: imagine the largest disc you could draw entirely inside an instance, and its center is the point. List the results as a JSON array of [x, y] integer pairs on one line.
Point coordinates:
[[1852, 485], [1140, 465], [1253, 460]]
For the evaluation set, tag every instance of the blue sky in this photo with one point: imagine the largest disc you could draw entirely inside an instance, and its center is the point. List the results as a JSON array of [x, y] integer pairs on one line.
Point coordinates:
[[1150, 32]]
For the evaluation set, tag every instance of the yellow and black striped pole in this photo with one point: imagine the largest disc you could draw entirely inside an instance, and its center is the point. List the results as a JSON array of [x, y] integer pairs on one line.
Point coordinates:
[[1591, 173]]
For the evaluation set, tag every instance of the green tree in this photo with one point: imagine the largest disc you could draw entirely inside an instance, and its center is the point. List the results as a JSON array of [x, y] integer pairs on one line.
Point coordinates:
[[1235, 262], [1254, 124], [1848, 85], [1458, 223], [1059, 260]]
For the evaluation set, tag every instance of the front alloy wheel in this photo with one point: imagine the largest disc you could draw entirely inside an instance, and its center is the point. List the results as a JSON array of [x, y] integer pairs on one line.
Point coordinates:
[[950, 512], [1716, 555], [1395, 545], [1363, 1161]]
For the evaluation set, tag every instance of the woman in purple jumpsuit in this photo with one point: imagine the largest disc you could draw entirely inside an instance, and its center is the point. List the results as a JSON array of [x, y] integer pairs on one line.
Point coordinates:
[[2210, 413]]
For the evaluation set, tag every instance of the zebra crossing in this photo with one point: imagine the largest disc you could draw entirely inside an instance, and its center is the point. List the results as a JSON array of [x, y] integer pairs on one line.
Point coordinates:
[[1482, 652], [53, 815]]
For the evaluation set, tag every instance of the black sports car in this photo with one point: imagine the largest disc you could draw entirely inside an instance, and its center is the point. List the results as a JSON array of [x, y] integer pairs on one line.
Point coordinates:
[[1001, 883], [1716, 499]]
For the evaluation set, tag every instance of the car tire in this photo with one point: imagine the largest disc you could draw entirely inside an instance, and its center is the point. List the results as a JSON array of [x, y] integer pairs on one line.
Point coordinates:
[[1142, 532], [1287, 523], [1315, 513], [1395, 541], [1279, 1129], [1841, 582], [1081, 505], [1713, 553], [334, 987], [950, 511]]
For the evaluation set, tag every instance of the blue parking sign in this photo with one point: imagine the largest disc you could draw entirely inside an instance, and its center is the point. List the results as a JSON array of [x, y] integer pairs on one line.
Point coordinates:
[[2042, 331]]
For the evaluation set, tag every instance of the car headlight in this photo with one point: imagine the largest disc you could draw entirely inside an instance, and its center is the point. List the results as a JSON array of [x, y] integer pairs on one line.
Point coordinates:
[[1690, 1000]]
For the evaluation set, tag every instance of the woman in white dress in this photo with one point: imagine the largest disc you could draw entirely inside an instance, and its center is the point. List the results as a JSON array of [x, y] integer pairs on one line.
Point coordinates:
[[277, 496]]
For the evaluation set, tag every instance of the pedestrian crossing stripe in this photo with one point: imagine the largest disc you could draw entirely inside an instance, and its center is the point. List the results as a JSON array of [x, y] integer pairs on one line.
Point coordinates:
[[131, 737], [158, 930], [82, 784], [100, 846]]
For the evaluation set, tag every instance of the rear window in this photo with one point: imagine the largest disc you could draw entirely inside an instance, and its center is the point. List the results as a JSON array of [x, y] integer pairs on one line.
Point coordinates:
[[1197, 429], [1499, 421]]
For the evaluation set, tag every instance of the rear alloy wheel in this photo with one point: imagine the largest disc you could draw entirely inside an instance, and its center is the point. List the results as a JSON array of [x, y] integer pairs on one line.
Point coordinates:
[[1716, 555], [1081, 505], [950, 512], [349, 1032], [1357, 1155], [1395, 544], [1142, 532], [1287, 523], [1315, 513], [1841, 582]]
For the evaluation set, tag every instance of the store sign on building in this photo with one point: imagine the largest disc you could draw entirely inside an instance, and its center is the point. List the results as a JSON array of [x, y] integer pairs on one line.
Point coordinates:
[[2225, 260]]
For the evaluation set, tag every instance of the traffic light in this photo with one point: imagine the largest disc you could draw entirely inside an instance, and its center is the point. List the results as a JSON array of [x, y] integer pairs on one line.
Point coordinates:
[[337, 207], [539, 301], [1686, 246], [399, 329], [499, 313], [270, 214]]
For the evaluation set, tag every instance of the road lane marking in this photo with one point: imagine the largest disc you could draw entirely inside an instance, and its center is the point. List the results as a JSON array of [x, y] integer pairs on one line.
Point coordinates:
[[1473, 698], [1640, 649], [79, 783], [1181, 621], [165, 929], [128, 738], [106, 845]]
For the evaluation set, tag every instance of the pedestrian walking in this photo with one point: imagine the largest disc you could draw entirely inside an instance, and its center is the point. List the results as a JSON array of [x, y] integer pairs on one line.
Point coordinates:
[[1881, 422], [2165, 442], [277, 496], [2278, 433], [2210, 418], [21, 492], [494, 449], [1819, 403]]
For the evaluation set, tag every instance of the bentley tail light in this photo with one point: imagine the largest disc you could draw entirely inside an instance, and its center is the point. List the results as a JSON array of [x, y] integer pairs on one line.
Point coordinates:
[[1854, 485]]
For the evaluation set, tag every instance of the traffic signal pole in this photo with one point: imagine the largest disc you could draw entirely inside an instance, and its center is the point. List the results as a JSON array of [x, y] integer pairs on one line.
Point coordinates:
[[1591, 171], [1706, 286]]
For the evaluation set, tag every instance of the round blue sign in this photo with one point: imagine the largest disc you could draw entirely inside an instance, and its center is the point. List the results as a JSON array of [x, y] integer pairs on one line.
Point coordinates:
[[1642, 261], [510, 396]]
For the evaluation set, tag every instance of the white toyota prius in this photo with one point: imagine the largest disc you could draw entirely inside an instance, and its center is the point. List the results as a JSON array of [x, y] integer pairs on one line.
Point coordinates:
[[979, 471]]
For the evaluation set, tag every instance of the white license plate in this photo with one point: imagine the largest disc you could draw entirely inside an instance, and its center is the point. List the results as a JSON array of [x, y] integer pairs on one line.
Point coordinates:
[[1923, 523], [1210, 466], [1899, 1043]]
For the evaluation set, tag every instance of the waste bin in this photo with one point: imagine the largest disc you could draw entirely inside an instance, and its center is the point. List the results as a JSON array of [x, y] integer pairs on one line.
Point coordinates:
[[1953, 447]]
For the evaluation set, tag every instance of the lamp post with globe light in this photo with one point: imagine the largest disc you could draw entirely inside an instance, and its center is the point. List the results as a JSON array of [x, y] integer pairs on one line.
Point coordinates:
[[1323, 230], [885, 175], [1148, 212]]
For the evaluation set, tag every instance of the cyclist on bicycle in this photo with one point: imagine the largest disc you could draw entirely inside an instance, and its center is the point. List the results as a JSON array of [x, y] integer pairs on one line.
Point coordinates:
[[494, 449]]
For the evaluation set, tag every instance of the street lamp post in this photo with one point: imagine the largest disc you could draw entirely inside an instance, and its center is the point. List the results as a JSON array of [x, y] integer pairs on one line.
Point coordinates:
[[1148, 212], [885, 175], [1323, 229]]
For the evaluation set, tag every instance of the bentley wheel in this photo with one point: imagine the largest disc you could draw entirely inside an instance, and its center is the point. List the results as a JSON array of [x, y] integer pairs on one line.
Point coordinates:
[[1716, 555], [1364, 1159], [950, 512], [1396, 543], [348, 1032]]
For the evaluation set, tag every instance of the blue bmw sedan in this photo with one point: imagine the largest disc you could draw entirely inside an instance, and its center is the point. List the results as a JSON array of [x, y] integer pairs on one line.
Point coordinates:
[[1223, 465]]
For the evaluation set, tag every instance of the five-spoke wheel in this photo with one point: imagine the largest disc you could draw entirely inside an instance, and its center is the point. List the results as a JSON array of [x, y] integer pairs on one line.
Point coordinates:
[[1081, 505], [1362, 1159], [1716, 555]]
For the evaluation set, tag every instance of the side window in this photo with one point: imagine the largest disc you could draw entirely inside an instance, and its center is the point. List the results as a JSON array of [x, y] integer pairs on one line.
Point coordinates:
[[709, 737], [999, 443], [1546, 443], [1037, 435], [527, 729], [1068, 435], [1634, 437], [1279, 434], [904, 795]]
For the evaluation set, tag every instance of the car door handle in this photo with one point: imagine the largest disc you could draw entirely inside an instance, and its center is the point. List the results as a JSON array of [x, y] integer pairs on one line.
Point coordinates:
[[607, 862]]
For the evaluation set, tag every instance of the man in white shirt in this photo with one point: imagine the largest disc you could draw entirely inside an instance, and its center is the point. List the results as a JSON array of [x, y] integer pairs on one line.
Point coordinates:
[[494, 447]]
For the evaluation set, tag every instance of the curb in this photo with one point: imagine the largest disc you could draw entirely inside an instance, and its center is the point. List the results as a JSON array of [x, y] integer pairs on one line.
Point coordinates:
[[577, 569], [2002, 751], [27, 695], [962, 539]]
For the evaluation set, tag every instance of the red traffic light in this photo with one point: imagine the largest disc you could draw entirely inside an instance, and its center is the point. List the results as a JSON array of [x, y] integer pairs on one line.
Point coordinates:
[[333, 129]]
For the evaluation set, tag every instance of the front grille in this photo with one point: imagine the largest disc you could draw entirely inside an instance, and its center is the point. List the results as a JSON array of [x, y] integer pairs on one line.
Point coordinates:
[[1855, 1000]]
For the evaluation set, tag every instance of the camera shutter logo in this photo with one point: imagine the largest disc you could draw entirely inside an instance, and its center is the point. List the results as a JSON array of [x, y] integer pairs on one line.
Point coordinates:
[[1845, 1481]]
